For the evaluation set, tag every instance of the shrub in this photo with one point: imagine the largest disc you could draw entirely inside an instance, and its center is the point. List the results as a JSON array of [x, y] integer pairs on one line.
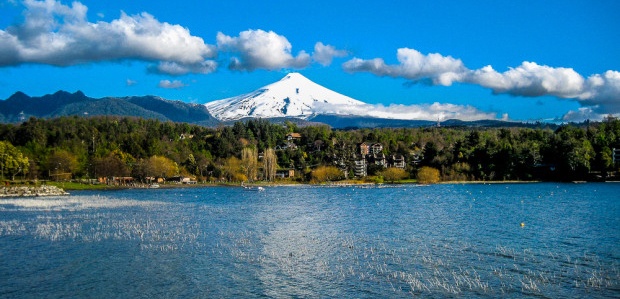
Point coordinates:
[[327, 173], [393, 174], [428, 175]]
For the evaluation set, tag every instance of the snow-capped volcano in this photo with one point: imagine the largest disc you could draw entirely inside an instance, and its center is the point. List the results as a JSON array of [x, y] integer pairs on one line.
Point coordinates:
[[292, 96]]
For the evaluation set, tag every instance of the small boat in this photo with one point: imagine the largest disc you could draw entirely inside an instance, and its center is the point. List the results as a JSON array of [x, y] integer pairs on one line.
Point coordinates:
[[250, 188], [153, 186]]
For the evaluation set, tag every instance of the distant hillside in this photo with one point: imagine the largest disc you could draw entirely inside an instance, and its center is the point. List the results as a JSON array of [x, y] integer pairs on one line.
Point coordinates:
[[352, 122], [20, 106]]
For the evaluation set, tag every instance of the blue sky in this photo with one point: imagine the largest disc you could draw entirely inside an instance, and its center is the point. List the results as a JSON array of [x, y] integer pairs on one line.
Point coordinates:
[[520, 60]]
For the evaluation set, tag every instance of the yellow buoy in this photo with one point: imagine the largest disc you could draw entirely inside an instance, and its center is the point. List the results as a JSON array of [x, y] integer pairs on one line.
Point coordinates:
[[522, 224]]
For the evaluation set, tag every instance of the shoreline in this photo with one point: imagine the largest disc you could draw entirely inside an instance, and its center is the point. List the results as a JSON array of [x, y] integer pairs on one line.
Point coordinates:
[[25, 190], [79, 186]]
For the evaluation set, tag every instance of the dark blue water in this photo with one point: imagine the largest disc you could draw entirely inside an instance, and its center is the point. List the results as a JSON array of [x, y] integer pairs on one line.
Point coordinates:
[[501, 240]]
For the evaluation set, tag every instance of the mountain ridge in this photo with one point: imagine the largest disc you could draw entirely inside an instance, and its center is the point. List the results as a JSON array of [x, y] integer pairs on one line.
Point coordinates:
[[20, 106]]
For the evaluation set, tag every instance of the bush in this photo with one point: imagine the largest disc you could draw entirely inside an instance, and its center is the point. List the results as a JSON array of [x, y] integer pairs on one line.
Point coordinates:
[[428, 175], [393, 174], [327, 173]]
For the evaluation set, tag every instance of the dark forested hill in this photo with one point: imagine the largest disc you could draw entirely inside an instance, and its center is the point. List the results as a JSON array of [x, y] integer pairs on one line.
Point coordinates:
[[20, 107]]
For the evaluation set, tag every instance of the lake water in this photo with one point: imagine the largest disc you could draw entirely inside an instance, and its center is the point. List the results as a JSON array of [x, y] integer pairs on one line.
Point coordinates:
[[475, 240]]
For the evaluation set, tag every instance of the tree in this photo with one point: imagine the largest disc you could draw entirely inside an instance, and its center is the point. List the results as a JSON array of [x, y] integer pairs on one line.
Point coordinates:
[[327, 173], [62, 164], [191, 165], [428, 175], [249, 162], [110, 165], [232, 169], [393, 174], [270, 164], [162, 166], [12, 160]]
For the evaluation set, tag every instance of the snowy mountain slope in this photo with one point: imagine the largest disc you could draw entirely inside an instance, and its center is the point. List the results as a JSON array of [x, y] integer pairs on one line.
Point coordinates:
[[292, 96]]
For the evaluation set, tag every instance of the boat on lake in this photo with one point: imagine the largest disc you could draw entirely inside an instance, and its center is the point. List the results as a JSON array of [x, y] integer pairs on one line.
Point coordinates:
[[252, 188], [259, 188]]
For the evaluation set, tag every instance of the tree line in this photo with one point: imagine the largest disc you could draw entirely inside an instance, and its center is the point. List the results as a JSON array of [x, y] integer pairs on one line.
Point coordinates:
[[77, 148]]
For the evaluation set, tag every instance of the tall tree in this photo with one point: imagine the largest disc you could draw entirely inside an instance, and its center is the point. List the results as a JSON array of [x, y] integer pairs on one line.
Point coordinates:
[[270, 164], [249, 162]]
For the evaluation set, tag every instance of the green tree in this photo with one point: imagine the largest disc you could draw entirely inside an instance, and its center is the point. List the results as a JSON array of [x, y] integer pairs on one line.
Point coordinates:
[[12, 160], [62, 165]]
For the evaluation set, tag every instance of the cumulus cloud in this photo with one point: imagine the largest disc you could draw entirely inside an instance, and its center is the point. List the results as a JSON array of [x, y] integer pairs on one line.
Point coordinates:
[[530, 80], [413, 65], [258, 49], [324, 54], [61, 35], [435, 111], [176, 84], [599, 94]]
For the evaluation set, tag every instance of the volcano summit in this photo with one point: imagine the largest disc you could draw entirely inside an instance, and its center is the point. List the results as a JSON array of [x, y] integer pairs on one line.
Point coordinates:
[[292, 96]]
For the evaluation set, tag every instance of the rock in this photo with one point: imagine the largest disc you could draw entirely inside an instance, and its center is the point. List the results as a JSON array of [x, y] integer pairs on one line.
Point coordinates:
[[24, 191]]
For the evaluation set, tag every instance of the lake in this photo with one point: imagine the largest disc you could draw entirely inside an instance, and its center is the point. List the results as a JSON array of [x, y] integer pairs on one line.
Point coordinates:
[[539, 240]]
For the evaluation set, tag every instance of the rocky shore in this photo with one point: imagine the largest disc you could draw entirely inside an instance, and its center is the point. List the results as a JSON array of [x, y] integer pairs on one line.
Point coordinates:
[[23, 191]]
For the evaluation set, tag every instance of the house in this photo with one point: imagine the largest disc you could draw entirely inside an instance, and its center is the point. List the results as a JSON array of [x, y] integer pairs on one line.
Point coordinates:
[[293, 136], [376, 148], [378, 159], [182, 180], [367, 148], [285, 173], [398, 161], [364, 149], [121, 181], [360, 167]]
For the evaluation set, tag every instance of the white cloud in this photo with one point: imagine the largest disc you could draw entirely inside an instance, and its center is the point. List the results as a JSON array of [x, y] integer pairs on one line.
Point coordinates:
[[603, 92], [600, 93], [57, 34], [130, 82], [435, 111], [177, 69], [260, 49], [413, 65], [529, 79], [176, 84], [324, 54], [581, 114]]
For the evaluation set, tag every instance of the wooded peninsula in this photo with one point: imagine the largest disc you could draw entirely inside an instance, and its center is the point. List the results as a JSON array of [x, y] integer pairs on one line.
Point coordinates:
[[116, 150]]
